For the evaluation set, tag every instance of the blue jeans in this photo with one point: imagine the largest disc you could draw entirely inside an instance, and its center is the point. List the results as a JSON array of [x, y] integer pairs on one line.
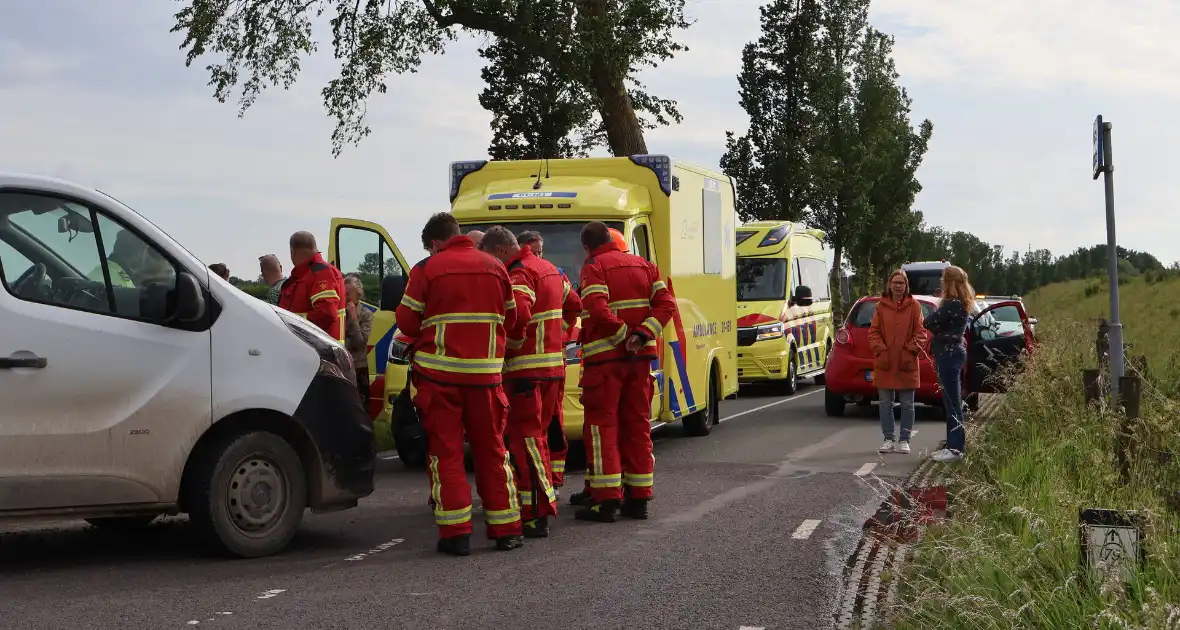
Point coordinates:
[[887, 396], [949, 363]]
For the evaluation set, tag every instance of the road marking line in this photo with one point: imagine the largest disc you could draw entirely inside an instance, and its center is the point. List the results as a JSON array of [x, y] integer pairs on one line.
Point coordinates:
[[378, 549], [271, 593], [752, 628], [866, 469], [768, 406], [391, 457], [805, 529]]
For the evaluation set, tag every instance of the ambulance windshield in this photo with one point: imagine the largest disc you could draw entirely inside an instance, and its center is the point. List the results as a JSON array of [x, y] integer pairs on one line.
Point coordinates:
[[761, 279], [562, 241]]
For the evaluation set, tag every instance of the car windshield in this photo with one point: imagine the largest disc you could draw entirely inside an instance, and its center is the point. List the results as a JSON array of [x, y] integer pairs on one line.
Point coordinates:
[[862, 314], [924, 282], [563, 241], [761, 279]]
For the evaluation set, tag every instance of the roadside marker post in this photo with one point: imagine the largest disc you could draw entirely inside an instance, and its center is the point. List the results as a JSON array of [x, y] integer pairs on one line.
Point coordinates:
[[1103, 165], [1111, 541]]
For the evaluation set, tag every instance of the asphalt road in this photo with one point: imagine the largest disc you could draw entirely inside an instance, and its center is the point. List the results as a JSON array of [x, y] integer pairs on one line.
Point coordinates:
[[751, 528]]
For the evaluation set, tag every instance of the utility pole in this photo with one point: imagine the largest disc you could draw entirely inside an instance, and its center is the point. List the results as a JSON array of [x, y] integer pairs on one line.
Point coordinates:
[[1104, 165]]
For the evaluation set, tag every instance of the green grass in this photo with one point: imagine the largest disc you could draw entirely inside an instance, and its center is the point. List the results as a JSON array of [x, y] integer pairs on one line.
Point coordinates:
[[1009, 558], [382, 438]]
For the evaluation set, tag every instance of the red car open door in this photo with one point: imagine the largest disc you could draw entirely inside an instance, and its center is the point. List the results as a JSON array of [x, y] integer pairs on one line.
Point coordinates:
[[997, 338]]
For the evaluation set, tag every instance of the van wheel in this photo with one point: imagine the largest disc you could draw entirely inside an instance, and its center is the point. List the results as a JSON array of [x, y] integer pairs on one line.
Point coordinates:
[[247, 495], [833, 404], [791, 383], [701, 423], [123, 523]]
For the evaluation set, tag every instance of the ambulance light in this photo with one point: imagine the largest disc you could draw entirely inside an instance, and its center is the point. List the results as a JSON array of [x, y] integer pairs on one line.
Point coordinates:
[[459, 170], [661, 165], [775, 236]]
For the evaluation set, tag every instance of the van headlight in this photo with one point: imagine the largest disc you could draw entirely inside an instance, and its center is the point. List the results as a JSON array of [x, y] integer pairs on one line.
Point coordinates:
[[334, 359], [771, 331]]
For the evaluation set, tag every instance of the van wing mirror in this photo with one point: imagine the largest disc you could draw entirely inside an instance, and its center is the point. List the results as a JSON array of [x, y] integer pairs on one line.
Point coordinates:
[[802, 296], [190, 299], [392, 290]]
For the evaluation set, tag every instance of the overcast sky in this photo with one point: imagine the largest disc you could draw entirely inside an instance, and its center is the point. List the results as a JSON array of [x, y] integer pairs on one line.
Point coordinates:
[[97, 92]]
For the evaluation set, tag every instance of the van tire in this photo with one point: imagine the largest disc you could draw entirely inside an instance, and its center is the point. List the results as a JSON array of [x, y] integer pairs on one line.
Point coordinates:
[[790, 385], [701, 423], [833, 404], [409, 438], [251, 464], [122, 523]]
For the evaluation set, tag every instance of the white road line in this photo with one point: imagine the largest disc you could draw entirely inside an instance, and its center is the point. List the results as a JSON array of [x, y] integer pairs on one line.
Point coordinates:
[[805, 529], [271, 593], [866, 469], [391, 457], [378, 549], [752, 628], [768, 406]]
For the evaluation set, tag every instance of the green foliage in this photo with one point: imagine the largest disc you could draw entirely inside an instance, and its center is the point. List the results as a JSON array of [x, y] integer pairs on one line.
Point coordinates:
[[262, 43]]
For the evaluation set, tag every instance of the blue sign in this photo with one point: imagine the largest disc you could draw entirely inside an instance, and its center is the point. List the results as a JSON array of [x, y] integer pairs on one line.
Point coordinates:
[[1099, 150], [533, 195]]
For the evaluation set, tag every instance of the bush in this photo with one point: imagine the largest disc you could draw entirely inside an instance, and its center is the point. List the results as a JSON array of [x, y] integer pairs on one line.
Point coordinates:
[[1009, 557]]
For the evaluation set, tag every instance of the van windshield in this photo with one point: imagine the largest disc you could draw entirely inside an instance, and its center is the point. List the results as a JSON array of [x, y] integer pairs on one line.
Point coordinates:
[[563, 241], [924, 282], [761, 279]]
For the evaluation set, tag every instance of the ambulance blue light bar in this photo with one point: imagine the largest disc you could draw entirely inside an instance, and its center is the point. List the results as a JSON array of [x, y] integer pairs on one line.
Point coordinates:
[[661, 165], [459, 170]]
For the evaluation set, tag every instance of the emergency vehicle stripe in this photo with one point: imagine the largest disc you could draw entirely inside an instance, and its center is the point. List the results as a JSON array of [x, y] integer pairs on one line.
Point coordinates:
[[520, 288], [535, 361], [625, 304], [464, 318], [544, 316], [605, 345], [458, 365], [330, 293], [656, 286], [412, 304], [639, 480], [530, 444], [594, 288], [653, 326]]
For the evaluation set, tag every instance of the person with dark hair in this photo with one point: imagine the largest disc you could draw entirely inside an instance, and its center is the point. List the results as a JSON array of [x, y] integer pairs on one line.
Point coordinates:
[[896, 337], [221, 270], [457, 305], [533, 241], [315, 290], [535, 369], [627, 306]]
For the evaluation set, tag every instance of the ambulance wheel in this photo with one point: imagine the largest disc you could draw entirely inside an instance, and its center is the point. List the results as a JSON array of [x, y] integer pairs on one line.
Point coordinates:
[[833, 403], [791, 383], [701, 423], [246, 494]]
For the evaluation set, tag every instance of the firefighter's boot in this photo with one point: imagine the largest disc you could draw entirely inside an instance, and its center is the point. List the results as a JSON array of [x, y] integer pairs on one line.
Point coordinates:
[[605, 512], [635, 508], [455, 545], [508, 543], [537, 528]]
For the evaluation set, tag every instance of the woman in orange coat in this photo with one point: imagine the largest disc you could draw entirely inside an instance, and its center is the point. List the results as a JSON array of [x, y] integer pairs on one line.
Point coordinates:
[[896, 336]]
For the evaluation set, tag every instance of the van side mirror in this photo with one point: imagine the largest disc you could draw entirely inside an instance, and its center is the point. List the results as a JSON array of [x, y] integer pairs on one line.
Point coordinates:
[[392, 290], [802, 296], [190, 299]]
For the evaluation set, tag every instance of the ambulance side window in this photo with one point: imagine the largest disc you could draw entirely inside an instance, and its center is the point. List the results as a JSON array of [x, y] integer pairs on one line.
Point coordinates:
[[795, 281], [640, 245], [364, 253]]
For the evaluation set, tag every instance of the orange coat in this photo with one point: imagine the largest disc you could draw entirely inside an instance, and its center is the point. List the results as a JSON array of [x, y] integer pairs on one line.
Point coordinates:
[[896, 337]]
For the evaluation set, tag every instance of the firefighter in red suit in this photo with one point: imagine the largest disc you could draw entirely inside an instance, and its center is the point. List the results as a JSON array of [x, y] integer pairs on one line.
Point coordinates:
[[315, 289], [627, 306], [533, 367], [558, 445], [457, 305]]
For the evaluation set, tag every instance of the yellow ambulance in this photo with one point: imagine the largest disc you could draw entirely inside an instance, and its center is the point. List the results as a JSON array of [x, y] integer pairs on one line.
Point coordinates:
[[679, 216], [784, 303]]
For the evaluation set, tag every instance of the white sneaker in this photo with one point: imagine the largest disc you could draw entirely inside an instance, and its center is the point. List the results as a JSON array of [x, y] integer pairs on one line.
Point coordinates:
[[903, 447], [947, 456], [886, 447]]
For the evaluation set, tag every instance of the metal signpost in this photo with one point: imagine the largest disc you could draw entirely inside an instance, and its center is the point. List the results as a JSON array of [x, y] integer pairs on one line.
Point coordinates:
[[1103, 166]]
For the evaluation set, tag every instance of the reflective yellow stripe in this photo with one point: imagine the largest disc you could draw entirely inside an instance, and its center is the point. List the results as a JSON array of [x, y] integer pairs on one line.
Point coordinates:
[[492, 341], [440, 339], [653, 325], [545, 316], [594, 288], [636, 303], [641, 481], [330, 293], [502, 517], [510, 304], [535, 361], [343, 315], [605, 481], [530, 445], [605, 345], [565, 291], [458, 365], [595, 450], [657, 286], [510, 485], [584, 314], [441, 516], [558, 465], [520, 288], [412, 304], [464, 318]]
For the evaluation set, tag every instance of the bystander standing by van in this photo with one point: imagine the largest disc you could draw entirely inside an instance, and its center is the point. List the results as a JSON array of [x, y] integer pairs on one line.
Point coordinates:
[[896, 337], [358, 327], [221, 270], [948, 324], [271, 269]]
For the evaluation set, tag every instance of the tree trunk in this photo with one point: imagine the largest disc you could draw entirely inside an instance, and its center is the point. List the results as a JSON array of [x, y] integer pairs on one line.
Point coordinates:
[[623, 132], [838, 306]]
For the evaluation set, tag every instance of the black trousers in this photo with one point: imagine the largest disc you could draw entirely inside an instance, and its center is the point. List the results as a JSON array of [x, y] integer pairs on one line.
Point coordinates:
[[362, 384]]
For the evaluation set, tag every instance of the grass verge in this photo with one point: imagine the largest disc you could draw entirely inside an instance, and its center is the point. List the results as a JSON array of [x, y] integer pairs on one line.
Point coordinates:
[[1009, 558]]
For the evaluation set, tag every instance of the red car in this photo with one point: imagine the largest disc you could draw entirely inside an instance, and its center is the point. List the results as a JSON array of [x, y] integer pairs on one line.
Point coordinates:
[[996, 336]]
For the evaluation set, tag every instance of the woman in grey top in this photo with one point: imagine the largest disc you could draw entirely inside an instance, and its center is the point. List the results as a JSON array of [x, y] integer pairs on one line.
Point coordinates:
[[357, 329], [948, 325]]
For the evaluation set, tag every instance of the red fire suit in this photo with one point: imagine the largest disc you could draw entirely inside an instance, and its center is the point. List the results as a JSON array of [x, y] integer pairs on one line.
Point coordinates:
[[315, 292], [558, 445], [456, 306], [622, 295], [534, 365]]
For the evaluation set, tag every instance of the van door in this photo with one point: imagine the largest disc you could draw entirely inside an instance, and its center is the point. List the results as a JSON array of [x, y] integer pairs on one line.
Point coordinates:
[[641, 245], [366, 250], [996, 339], [104, 392]]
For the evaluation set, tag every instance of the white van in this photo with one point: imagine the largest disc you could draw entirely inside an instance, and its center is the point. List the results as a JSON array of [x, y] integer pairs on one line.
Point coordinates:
[[134, 383]]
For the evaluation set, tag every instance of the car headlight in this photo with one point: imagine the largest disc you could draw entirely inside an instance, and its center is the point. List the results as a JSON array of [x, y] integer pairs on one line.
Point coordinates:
[[573, 352], [334, 359], [397, 352], [772, 331]]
